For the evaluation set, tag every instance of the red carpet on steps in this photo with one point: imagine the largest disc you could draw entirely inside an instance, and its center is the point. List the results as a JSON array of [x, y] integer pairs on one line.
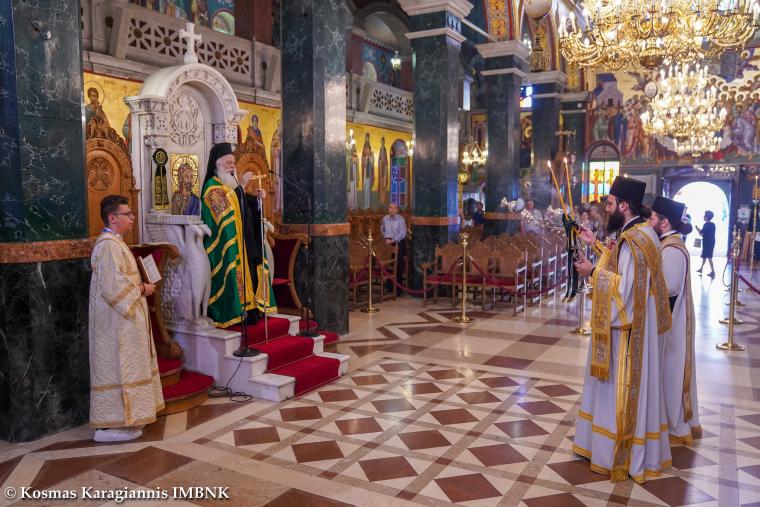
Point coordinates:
[[310, 372], [286, 350], [167, 365], [330, 337], [189, 383], [277, 327]]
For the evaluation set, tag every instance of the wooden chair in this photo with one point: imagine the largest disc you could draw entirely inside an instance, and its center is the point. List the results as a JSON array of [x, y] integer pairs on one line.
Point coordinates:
[[358, 274], [285, 252], [511, 273], [387, 255], [482, 257], [446, 257]]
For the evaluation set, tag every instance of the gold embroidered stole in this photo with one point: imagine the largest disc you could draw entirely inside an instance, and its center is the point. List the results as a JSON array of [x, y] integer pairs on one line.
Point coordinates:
[[675, 241], [645, 257], [605, 282]]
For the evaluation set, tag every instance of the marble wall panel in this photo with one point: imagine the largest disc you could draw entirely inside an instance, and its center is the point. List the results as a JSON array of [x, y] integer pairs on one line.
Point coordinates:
[[44, 358], [41, 133]]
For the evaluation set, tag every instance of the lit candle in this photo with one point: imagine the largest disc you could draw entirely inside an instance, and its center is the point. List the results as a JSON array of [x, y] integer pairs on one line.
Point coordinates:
[[569, 188], [556, 185]]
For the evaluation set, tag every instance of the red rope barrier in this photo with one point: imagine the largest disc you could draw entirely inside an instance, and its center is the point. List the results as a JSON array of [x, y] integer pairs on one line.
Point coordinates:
[[749, 284], [414, 292]]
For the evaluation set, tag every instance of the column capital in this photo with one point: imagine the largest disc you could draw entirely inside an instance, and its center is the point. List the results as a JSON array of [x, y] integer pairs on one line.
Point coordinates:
[[437, 31], [504, 48], [460, 8], [552, 76], [575, 96]]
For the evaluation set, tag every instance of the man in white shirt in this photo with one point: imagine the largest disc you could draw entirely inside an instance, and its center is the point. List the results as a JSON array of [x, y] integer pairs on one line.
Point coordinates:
[[393, 228]]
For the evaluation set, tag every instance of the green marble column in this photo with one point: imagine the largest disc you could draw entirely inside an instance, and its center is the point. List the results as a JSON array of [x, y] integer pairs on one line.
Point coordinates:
[[547, 87], [44, 364], [313, 140], [574, 119], [438, 73], [505, 68]]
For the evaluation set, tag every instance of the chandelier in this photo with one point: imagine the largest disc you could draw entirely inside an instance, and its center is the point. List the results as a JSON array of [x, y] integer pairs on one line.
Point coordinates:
[[701, 143], [648, 33], [474, 156], [685, 109]]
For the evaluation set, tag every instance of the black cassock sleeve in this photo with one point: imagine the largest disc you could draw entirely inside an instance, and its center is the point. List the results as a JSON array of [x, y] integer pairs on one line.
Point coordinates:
[[249, 206]]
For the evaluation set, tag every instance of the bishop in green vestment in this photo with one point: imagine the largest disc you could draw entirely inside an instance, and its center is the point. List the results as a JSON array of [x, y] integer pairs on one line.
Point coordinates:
[[234, 246]]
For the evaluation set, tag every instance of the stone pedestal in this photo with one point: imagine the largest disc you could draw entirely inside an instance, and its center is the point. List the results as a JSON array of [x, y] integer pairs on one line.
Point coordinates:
[[44, 258], [436, 39], [313, 146], [506, 64]]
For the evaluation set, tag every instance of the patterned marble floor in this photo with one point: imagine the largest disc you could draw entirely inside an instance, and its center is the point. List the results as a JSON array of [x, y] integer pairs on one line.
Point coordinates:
[[432, 413]]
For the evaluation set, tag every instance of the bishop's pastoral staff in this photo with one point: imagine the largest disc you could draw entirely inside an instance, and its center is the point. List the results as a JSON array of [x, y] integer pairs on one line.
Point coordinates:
[[125, 386], [234, 248], [622, 426], [679, 376]]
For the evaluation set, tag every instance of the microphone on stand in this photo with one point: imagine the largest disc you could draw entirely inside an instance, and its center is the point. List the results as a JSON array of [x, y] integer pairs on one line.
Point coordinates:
[[244, 350], [309, 274]]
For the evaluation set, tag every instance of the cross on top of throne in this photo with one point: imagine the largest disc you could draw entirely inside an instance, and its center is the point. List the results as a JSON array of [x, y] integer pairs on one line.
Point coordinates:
[[188, 33]]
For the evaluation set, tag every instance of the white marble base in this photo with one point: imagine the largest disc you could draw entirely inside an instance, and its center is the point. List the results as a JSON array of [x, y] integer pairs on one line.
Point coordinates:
[[210, 351]]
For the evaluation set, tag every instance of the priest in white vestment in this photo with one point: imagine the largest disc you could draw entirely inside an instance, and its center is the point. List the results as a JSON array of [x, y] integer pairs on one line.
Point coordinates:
[[679, 377], [622, 427], [125, 385]]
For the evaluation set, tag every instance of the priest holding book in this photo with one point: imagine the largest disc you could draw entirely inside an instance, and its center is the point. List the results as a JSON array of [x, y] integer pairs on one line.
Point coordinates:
[[125, 386]]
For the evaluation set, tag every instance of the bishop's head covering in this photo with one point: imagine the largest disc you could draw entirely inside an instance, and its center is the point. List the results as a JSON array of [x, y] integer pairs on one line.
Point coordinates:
[[217, 152], [628, 189], [670, 209]]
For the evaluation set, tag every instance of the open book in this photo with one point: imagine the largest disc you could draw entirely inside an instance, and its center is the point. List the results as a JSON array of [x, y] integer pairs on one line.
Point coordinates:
[[148, 269]]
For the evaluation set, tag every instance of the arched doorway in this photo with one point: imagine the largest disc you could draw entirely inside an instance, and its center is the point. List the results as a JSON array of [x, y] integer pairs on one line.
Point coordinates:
[[699, 197]]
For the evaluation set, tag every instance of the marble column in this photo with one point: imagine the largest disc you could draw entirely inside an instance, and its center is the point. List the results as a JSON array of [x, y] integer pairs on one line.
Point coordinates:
[[44, 265], [505, 67], [547, 87], [436, 40], [574, 119], [313, 139]]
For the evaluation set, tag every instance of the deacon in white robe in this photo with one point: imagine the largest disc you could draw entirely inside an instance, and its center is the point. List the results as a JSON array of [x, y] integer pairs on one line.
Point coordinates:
[[679, 377], [125, 385], [622, 427]]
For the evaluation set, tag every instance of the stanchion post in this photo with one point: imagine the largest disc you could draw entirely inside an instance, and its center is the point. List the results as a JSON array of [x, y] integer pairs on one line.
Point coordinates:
[[369, 308], [732, 320], [581, 330], [463, 318]]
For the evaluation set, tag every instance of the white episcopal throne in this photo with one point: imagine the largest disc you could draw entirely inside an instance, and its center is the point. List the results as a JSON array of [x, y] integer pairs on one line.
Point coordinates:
[[185, 110]]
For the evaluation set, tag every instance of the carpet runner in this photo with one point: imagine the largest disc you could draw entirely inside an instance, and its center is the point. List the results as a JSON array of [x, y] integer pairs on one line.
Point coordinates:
[[292, 356]]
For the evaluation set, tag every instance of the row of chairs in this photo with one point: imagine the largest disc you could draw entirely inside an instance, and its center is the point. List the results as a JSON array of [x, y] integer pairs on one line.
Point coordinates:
[[502, 265]]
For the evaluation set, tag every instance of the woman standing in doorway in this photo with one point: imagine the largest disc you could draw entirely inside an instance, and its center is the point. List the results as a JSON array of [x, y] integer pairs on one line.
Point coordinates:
[[708, 241]]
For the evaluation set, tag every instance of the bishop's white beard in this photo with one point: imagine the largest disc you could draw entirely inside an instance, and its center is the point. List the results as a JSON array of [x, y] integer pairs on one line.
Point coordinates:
[[227, 179]]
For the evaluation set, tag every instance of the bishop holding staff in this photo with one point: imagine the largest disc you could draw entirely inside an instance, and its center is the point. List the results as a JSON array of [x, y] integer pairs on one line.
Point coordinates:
[[234, 247], [622, 426], [679, 378], [125, 386]]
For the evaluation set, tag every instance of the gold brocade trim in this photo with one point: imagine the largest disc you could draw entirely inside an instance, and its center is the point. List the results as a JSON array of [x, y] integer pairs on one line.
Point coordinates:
[[221, 226], [128, 385], [123, 294], [219, 293], [121, 424], [648, 473], [675, 241], [226, 247], [601, 309], [612, 436], [630, 361]]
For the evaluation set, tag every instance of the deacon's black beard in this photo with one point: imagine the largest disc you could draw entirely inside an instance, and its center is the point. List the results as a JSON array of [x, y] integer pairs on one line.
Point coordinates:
[[616, 221]]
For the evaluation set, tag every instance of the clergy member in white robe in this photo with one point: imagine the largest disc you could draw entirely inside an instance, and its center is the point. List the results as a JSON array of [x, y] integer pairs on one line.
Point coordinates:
[[622, 426], [679, 377], [125, 385]]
